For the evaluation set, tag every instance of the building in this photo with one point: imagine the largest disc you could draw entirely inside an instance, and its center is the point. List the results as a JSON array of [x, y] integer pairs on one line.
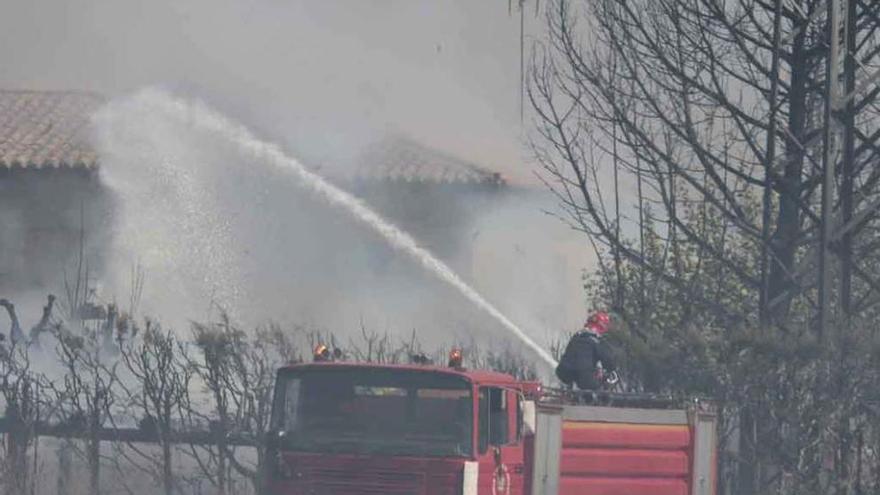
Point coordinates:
[[496, 235], [55, 212], [51, 202], [427, 192]]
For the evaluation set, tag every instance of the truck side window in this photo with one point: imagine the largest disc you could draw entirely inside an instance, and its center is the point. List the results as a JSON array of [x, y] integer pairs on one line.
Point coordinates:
[[494, 418], [292, 404]]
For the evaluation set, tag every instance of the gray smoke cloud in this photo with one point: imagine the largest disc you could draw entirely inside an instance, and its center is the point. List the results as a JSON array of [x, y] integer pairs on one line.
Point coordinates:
[[319, 75], [257, 234], [322, 78]]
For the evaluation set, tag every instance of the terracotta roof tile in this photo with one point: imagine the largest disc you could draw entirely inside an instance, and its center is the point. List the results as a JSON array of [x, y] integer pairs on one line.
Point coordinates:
[[400, 158], [47, 128]]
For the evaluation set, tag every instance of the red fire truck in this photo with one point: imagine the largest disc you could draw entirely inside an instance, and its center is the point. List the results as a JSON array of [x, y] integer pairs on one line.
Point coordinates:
[[345, 428]]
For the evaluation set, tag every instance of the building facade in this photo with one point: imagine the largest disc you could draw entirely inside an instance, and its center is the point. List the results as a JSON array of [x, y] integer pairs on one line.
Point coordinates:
[[57, 220], [52, 206]]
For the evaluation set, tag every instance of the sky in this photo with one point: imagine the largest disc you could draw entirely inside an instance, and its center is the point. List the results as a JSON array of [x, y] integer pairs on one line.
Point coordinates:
[[320, 76]]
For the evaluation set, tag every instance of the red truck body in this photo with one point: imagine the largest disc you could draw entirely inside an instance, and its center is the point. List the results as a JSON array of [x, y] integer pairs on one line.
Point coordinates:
[[345, 429]]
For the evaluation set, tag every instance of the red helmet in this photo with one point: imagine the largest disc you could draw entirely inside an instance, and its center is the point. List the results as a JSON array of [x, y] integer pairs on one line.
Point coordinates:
[[455, 358], [599, 323]]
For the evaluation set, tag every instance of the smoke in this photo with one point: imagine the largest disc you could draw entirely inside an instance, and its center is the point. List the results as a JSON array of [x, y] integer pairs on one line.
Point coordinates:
[[320, 77], [198, 218], [46, 219], [531, 262], [210, 225]]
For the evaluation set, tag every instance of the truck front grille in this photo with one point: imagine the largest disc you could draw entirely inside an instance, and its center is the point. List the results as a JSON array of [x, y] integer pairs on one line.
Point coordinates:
[[337, 481]]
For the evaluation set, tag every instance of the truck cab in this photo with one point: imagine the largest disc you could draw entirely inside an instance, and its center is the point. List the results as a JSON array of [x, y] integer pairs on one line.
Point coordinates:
[[346, 428], [341, 428]]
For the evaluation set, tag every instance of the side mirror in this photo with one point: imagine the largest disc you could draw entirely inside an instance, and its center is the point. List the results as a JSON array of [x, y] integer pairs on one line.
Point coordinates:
[[273, 438]]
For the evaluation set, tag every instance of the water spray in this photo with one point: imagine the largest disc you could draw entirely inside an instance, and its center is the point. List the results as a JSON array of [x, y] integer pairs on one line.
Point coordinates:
[[201, 117]]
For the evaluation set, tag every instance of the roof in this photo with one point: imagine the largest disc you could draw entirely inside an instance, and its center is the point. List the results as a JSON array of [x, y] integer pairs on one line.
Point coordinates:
[[398, 158], [478, 376], [47, 129]]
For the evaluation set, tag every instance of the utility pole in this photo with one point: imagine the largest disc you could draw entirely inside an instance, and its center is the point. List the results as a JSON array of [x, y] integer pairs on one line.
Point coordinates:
[[831, 131], [843, 88], [522, 61], [848, 168]]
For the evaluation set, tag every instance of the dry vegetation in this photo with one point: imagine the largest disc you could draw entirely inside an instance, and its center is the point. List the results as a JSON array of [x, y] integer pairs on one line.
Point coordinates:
[[143, 410]]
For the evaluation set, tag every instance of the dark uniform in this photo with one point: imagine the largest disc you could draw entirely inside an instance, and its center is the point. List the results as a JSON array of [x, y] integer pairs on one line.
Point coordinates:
[[578, 363]]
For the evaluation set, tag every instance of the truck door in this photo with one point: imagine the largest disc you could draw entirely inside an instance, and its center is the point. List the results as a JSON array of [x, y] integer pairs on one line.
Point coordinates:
[[500, 446]]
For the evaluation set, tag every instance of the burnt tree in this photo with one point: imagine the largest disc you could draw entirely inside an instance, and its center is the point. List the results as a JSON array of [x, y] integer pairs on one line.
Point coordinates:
[[696, 143]]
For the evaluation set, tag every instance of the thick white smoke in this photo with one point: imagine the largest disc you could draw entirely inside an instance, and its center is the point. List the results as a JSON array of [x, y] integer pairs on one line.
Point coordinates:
[[205, 236]]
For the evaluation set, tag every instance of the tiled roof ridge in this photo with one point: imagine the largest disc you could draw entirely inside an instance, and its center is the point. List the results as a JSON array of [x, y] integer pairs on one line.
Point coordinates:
[[398, 157], [47, 128], [87, 92]]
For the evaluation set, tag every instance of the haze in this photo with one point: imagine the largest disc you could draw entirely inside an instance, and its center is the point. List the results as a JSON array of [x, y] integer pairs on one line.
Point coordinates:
[[319, 76]]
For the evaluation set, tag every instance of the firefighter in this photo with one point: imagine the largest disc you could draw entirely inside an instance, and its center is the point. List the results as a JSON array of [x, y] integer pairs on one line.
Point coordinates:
[[321, 354], [586, 361]]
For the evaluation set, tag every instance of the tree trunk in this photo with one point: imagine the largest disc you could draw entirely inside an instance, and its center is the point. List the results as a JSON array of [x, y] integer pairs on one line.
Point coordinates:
[[17, 441], [260, 475], [788, 223], [221, 469], [748, 459], [64, 477], [94, 460], [167, 473]]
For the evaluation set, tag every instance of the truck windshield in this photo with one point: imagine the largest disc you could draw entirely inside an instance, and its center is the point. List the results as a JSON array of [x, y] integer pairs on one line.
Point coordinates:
[[374, 411]]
